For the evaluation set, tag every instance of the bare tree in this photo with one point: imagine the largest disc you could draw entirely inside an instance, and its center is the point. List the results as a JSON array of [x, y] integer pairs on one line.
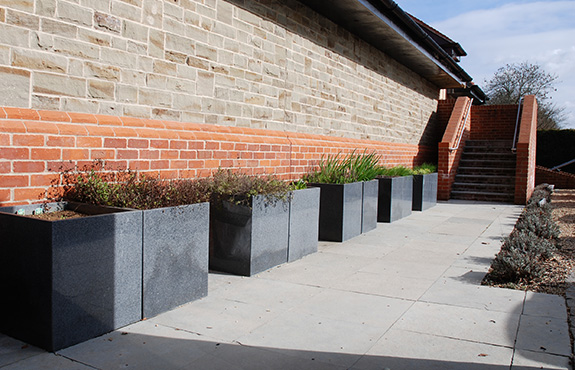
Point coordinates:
[[510, 83]]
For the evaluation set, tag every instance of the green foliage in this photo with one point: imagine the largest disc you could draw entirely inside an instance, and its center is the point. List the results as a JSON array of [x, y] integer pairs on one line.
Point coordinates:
[[298, 185], [338, 169], [239, 188], [126, 188], [396, 171], [533, 241]]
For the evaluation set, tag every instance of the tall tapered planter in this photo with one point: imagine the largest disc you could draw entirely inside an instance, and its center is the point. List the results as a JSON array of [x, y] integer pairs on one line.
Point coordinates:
[[424, 191], [246, 240], [340, 211], [395, 198], [175, 249], [303, 223], [67, 281]]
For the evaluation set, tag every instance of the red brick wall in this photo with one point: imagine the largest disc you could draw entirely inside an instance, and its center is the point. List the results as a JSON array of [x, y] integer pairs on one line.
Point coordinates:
[[35, 145], [490, 122], [448, 160], [561, 180], [526, 151]]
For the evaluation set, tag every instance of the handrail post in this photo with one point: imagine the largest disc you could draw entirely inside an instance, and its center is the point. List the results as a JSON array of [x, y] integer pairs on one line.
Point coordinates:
[[462, 130], [514, 146]]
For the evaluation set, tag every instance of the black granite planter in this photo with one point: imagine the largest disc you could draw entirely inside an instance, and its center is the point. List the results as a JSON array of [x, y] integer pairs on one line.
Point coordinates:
[[67, 281], [175, 247], [303, 223], [395, 198], [340, 211], [369, 205], [424, 191], [247, 240]]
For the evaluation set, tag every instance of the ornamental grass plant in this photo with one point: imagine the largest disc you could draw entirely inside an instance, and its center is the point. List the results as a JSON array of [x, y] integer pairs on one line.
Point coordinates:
[[344, 169]]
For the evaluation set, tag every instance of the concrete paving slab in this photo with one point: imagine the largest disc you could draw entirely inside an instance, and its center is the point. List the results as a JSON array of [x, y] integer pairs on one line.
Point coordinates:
[[400, 349], [144, 345], [544, 334], [356, 308], [546, 305], [355, 248], [385, 284], [269, 294], [527, 360], [47, 361], [462, 226], [406, 269], [456, 293], [333, 341], [217, 318], [13, 350], [472, 324]]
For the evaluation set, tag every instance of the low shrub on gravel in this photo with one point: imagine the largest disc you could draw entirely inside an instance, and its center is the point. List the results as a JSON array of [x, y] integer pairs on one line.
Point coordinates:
[[532, 242]]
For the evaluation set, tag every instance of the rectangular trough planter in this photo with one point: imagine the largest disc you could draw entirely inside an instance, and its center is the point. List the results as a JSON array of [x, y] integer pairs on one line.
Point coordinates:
[[369, 205], [247, 240], [67, 281], [303, 223], [395, 198], [424, 191], [175, 252], [340, 211]]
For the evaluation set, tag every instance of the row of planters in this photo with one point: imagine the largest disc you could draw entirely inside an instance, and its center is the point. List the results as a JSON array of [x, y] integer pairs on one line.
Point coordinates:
[[118, 247]]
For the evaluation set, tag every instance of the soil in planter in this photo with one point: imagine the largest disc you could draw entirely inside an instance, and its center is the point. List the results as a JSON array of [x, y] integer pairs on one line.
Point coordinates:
[[58, 215]]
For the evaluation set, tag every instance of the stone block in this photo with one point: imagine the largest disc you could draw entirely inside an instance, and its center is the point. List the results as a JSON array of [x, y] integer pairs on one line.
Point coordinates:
[[99, 89], [154, 98], [46, 83], [24, 5], [13, 36], [102, 71], [340, 211], [70, 280], [135, 31], [247, 240], [75, 48], [303, 223], [15, 87], [175, 257], [74, 13], [22, 19], [107, 22], [369, 205], [424, 191], [394, 198], [39, 60]]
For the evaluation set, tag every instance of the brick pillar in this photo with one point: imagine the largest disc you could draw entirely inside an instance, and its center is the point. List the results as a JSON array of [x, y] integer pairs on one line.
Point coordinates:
[[448, 159], [526, 151]]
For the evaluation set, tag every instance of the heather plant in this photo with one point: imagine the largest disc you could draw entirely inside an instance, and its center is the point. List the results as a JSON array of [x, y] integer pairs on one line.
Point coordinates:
[[533, 241], [239, 188], [129, 189]]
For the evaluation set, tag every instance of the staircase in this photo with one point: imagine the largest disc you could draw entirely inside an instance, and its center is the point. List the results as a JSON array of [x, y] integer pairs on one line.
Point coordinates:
[[486, 172]]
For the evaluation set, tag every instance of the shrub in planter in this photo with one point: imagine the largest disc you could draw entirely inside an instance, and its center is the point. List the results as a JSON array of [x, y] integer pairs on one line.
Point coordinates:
[[347, 198], [249, 220], [68, 280], [424, 187], [175, 224]]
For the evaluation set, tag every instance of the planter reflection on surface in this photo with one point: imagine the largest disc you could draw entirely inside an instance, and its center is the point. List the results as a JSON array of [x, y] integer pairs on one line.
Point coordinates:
[[395, 198]]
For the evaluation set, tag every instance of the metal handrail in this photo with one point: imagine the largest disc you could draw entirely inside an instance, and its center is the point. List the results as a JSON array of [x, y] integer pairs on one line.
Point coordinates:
[[463, 126], [514, 146], [563, 165]]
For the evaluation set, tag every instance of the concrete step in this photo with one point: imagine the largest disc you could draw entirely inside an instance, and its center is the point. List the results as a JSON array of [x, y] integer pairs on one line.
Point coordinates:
[[483, 196], [489, 143], [487, 163], [490, 156], [482, 187], [485, 179]]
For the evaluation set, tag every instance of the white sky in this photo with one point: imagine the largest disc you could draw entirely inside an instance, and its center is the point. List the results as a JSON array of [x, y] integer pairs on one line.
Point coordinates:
[[498, 32]]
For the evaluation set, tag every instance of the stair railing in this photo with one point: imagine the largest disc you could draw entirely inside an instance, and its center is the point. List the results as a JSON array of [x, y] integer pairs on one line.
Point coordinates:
[[462, 127], [557, 168], [517, 120]]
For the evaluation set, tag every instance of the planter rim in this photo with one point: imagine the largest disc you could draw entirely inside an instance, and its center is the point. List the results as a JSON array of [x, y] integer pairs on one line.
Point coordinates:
[[62, 206]]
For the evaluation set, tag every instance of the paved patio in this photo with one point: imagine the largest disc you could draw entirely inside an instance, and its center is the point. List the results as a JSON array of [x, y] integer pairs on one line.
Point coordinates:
[[404, 296]]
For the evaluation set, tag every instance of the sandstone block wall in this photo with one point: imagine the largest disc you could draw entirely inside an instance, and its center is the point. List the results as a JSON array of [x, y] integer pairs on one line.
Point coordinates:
[[259, 64]]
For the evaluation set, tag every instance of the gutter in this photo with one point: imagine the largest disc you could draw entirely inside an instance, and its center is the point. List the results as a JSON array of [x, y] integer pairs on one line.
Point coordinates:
[[422, 37]]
